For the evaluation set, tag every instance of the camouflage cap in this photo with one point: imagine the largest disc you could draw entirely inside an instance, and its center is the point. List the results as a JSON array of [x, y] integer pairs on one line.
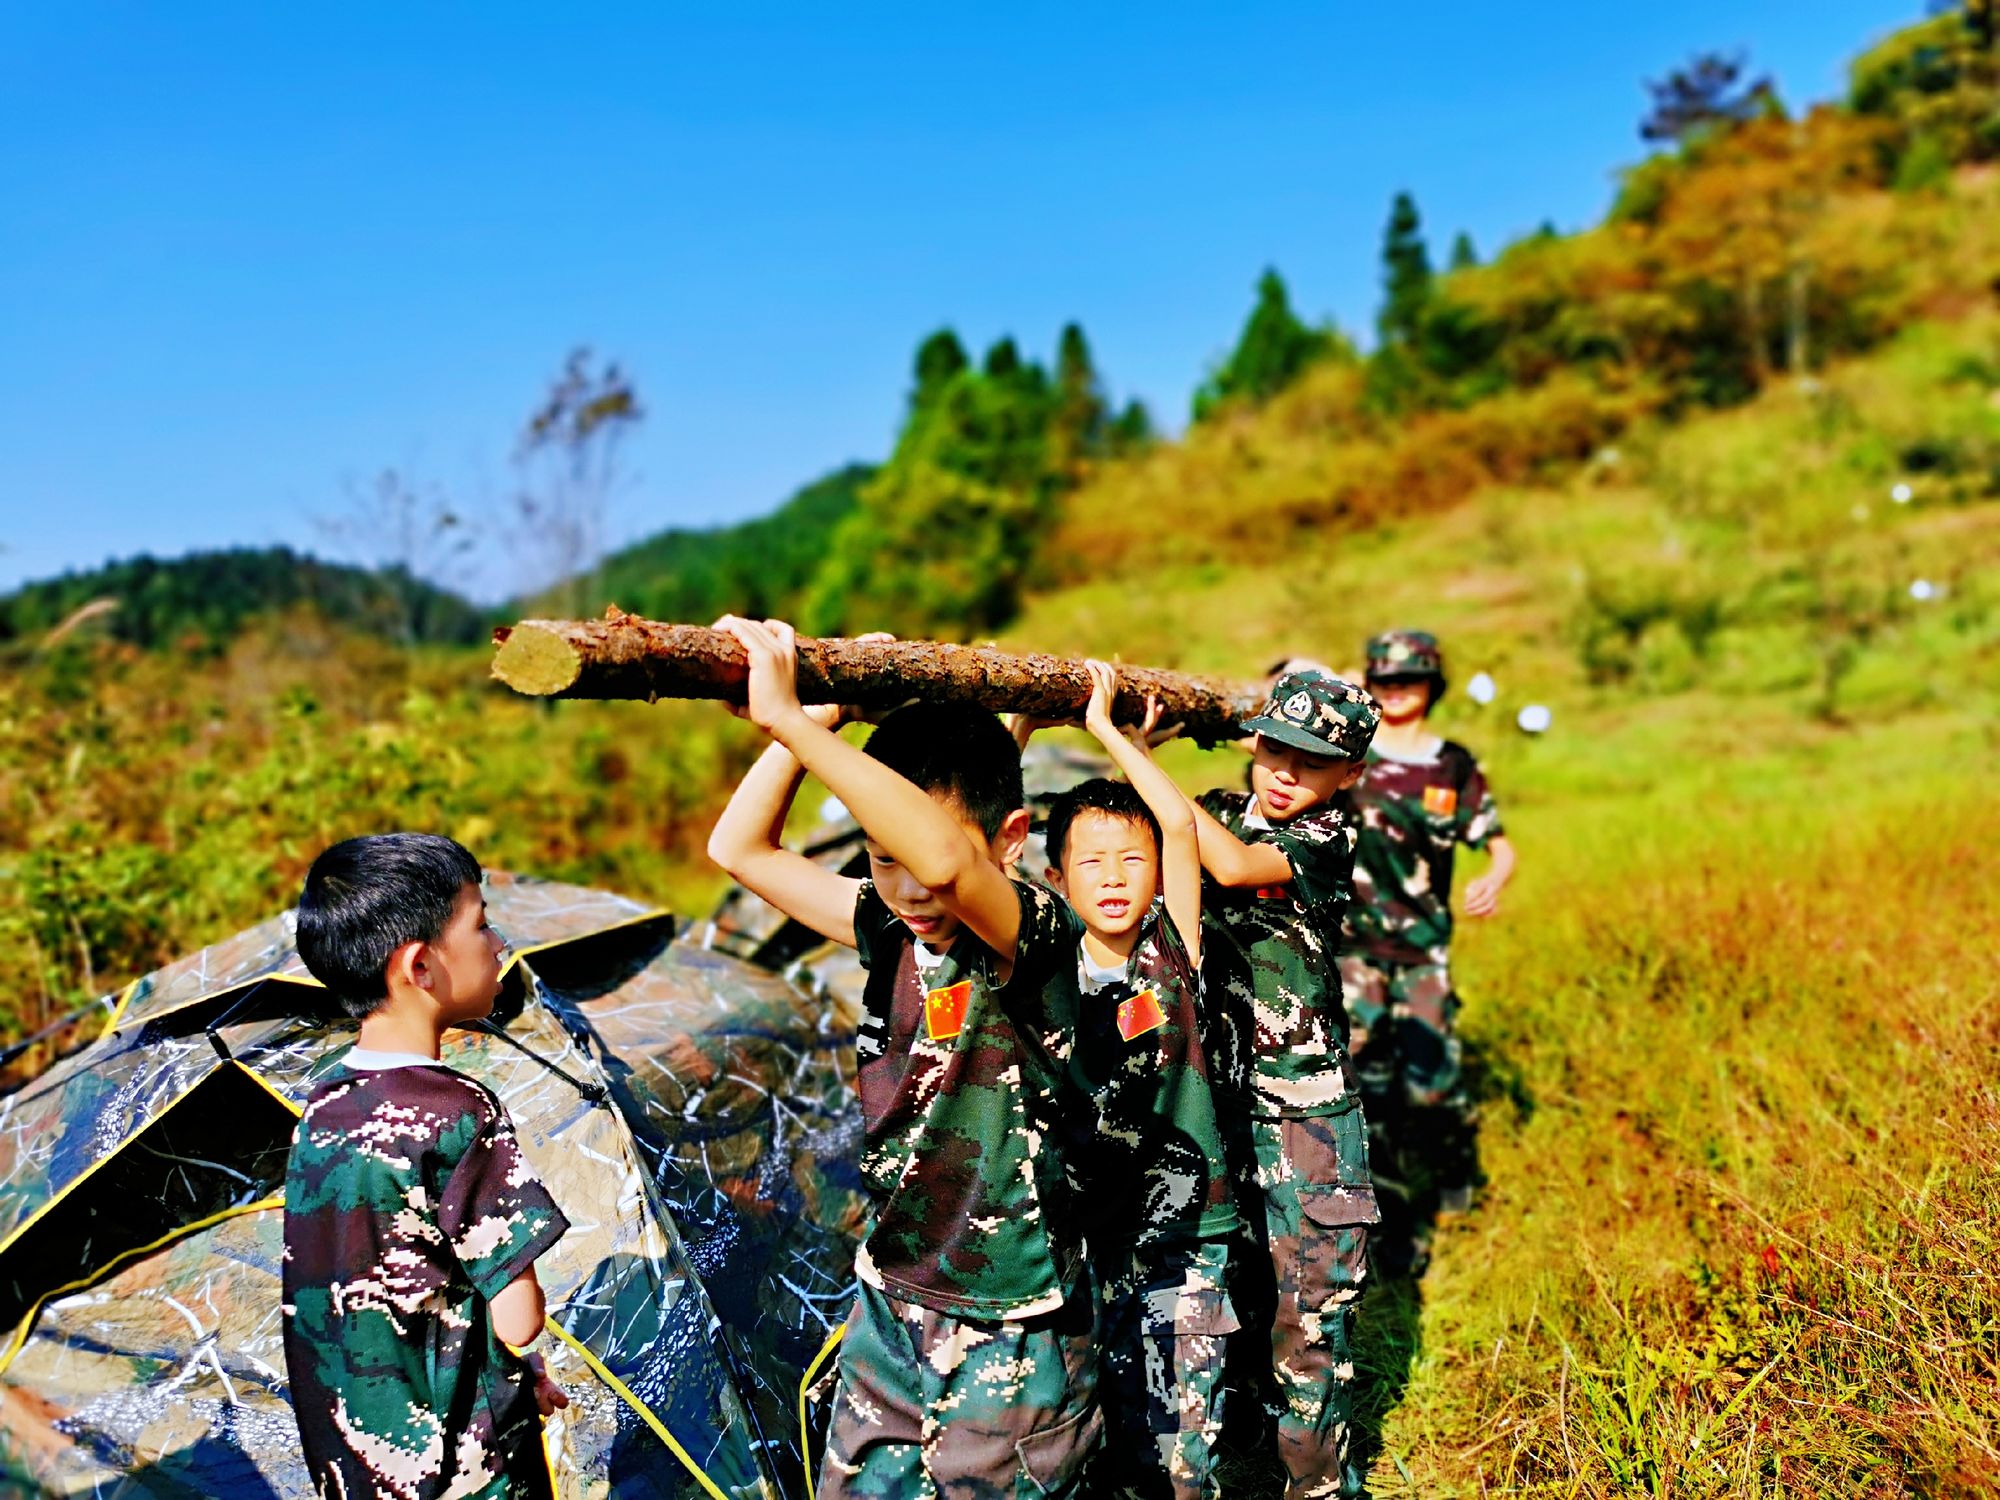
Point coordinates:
[[1320, 714], [1407, 653]]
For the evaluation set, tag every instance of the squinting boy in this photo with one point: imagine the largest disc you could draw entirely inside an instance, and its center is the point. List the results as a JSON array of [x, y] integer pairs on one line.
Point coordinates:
[[1162, 1206]]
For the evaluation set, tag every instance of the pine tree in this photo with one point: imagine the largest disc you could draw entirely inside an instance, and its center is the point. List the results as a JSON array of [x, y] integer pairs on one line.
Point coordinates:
[[1463, 256], [1003, 359], [1275, 346], [1406, 273], [1078, 423], [939, 358]]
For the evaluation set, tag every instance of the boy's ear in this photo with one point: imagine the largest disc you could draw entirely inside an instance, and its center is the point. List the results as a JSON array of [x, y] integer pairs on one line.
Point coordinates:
[[1054, 877], [1355, 771], [1012, 837], [409, 967]]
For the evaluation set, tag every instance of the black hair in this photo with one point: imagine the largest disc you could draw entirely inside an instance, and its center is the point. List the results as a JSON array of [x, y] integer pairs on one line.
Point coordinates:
[[364, 898], [960, 752], [1116, 799]]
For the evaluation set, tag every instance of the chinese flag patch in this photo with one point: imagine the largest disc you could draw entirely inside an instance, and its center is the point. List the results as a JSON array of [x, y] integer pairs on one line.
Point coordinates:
[[1140, 1015], [944, 1010], [1440, 801]]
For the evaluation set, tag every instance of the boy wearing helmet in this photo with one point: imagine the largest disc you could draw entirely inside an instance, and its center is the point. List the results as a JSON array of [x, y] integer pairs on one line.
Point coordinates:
[[1280, 865], [1420, 797]]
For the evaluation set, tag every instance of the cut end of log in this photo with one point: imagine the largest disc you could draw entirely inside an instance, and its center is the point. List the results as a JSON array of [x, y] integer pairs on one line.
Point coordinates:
[[536, 661]]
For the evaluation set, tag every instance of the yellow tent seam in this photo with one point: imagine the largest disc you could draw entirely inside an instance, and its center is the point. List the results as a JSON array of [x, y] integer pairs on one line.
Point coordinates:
[[105, 1160], [603, 1373], [805, 1435], [515, 955], [118, 1010], [20, 1339], [228, 989], [266, 1085]]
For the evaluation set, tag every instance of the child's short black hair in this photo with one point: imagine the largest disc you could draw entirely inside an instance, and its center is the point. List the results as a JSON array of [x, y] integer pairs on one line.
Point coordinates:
[[964, 753], [364, 898], [1115, 798]]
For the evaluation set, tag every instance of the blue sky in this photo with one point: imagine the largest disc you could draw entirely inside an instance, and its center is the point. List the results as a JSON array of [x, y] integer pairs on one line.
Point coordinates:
[[249, 253]]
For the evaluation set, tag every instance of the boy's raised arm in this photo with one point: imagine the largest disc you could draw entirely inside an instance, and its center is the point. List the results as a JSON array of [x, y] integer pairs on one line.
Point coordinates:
[[1234, 863], [1180, 847], [904, 820], [748, 842]]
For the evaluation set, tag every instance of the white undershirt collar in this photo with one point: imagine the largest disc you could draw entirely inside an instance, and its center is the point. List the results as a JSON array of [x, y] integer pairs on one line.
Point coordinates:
[[362, 1059]]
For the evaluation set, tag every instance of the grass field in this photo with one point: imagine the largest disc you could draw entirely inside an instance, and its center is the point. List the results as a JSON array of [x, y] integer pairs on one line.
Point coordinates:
[[1735, 1026]]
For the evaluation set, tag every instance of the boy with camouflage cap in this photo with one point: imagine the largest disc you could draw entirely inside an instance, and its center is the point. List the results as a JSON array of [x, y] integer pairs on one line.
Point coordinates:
[[1281, 861], [1162, 1210], [412, 1224], [969, 1363], [1420, 797]]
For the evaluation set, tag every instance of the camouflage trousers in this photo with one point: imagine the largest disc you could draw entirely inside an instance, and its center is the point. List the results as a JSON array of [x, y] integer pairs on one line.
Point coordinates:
[[1312, 1203], [1406, 1052], [1167, 1315], [931, 1405]]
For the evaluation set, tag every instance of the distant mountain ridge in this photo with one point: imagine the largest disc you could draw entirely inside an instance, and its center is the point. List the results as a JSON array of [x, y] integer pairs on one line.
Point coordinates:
[[759, 567], [210, 595]]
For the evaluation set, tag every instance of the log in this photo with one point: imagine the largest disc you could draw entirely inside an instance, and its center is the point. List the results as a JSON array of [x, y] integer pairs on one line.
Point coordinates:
[[626, 656]]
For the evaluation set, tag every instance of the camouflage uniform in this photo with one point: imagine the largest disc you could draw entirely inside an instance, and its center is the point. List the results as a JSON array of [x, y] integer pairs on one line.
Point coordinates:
[[1396, 965], [1162, 1214], [1270, 964], [969, 1364], [408, 1207]]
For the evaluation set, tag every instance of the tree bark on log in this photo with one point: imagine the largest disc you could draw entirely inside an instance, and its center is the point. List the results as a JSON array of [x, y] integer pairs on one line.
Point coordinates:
[[625, 656]]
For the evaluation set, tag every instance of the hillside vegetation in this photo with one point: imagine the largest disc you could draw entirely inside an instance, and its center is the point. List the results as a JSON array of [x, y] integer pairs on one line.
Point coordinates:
[[1717, 482]]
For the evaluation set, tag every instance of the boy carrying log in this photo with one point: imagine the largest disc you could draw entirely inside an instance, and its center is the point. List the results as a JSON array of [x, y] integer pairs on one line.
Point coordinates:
[[1161, 1203], [969, 1363], [1280, 861], [1420, 798]]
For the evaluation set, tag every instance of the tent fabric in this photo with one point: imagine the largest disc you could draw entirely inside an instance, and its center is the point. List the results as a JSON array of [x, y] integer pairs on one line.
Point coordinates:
[[693, 1115]]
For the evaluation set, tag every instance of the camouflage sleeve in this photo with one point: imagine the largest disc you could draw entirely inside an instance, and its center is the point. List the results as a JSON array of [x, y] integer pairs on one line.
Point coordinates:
[[1320, 846], [1044, 957], [1219, 802], [1478, 814], [872, 918], [1174, 955], [493, 1208]]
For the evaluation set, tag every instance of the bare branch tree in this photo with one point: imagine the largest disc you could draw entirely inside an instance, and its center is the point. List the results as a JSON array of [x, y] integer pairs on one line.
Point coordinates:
[[568, 455]]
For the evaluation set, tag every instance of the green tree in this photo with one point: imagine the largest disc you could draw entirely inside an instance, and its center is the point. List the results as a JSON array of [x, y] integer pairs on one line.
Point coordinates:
[[939, 358], [1081, 420], [1463, 254], [1406, 273], [1003, 359], [1274, 347]]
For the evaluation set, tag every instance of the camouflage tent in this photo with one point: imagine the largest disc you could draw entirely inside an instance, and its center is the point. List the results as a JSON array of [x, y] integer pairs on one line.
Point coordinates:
[[692, 1113]]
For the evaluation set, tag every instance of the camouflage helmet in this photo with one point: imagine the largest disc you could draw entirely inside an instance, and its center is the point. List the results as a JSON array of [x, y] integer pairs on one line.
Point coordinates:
[[1318, 713], [1407, 653]]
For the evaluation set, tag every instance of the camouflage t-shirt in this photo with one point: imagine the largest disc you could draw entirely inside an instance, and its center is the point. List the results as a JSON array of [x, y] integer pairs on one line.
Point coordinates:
[[1414, 815], [968, 1114], [408, 1207], [1155, 1170], [1270, 966]]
